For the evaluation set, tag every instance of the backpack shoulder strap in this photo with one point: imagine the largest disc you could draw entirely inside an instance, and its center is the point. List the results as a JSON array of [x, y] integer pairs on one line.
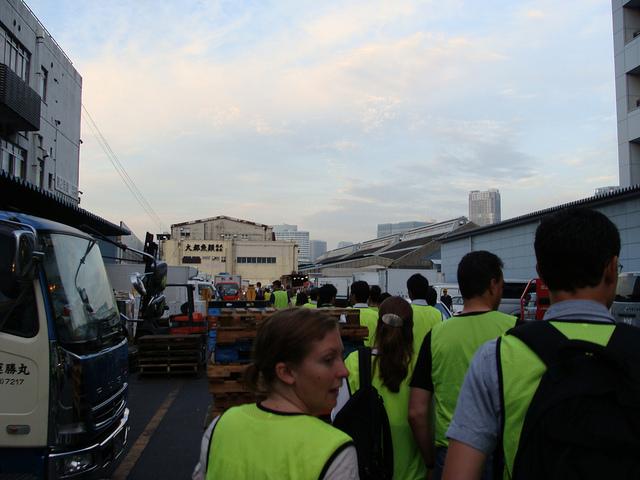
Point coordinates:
[[625, 339], [543, 338], [364, 366]]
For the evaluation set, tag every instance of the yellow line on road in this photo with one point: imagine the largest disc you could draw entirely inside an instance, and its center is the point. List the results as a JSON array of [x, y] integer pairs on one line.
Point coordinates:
[[137, 448]]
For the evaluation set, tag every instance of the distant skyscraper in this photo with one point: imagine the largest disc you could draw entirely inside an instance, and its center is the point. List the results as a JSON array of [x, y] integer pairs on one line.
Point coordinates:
[[484, 207], [318, 247], [344, 244], [385, 229], [626, 29], [291, 232]]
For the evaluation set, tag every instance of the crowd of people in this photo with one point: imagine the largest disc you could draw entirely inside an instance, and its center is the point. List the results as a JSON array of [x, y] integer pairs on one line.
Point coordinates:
[[460, 393]]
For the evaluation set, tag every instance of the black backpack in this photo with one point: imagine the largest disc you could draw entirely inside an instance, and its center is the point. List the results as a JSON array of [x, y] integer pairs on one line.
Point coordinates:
[[365, 419], [584, 419]]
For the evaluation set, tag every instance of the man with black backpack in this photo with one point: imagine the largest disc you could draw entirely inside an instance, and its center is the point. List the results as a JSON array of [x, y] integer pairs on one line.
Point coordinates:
[[559, 398]]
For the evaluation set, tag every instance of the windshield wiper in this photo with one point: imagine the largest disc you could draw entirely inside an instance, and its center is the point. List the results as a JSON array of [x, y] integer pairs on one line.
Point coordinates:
[[82, 291]]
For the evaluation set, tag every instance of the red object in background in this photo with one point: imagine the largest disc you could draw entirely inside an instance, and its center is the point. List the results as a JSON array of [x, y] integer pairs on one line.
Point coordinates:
[[188, 330], [534, 301], [197, 317], [230, 291]]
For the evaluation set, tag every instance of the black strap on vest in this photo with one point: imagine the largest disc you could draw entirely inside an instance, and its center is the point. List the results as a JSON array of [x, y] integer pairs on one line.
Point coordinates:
[[364, 366]]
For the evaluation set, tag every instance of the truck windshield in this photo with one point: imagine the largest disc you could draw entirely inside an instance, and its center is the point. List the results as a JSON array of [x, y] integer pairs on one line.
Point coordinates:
[[229, 289], [86, 316]]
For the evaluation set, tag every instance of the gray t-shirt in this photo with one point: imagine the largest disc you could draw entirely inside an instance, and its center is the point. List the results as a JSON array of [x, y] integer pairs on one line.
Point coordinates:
[[476, 421]]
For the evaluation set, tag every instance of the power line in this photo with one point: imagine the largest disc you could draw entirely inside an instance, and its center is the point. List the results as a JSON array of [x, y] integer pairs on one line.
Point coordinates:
[[128, 181]]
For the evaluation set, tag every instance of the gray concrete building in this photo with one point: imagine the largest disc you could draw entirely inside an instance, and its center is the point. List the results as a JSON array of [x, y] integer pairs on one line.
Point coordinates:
[[385, 229], [626, 49], [40, 102], [300, 237], [512, 240], [484, 207], [318, 247]]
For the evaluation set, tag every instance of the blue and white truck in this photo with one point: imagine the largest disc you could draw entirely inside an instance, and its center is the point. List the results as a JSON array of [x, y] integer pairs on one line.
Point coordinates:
[[63, 354]]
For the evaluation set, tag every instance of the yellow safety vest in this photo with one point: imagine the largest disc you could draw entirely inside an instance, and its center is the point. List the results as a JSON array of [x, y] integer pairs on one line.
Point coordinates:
[[249, 442], [453, 344], [407, 459], [281, 299]]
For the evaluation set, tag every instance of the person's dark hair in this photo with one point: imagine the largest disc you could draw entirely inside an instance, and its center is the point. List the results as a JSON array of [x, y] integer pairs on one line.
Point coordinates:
[[360, 291], [375, 292], [286, 336], [573, 248], [384, 296], [475, 272], [277, 284], [394, 344], [418, 286], [301, 299], [258, 284], [327, 294], [432, 296], [313, 294]]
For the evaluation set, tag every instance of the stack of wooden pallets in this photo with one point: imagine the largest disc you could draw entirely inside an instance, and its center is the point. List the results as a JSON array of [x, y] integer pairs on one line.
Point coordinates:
[[169, 354], [235, 330]]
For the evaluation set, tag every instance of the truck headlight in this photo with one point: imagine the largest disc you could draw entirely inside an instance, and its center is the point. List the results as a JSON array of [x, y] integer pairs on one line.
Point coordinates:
[[76, 463]]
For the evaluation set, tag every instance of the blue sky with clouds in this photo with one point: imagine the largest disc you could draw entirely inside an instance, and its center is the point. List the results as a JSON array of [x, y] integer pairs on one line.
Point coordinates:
[[336, 116]]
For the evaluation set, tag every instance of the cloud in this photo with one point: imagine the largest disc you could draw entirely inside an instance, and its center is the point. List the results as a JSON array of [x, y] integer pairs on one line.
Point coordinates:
[[535, 14], [339, 116]]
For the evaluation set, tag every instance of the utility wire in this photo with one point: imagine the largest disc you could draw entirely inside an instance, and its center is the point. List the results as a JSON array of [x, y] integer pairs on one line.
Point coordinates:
[[128, 181]]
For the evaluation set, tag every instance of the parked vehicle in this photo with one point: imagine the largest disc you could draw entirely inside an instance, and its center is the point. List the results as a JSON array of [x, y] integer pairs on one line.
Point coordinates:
[[457, 304], [394, 280], [534, 301], [63, 354], [626, 307], [511, 295], [228, 287]]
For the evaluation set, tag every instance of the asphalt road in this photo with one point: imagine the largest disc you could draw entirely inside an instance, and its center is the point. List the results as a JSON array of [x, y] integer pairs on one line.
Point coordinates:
[[167, 417]]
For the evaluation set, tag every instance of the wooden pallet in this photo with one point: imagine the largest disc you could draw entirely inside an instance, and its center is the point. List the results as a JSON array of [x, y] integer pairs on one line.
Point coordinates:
[[241, 317], [224, 372], [169, 354], [168, 369], [353, 332], [231, 335], [227, 386]]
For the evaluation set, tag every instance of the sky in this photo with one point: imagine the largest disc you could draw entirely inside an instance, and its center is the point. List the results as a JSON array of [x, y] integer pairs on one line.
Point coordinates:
[[337, 116]]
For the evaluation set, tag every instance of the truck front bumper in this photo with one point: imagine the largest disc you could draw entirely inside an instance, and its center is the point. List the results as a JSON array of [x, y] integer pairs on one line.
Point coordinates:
[[94, 461]]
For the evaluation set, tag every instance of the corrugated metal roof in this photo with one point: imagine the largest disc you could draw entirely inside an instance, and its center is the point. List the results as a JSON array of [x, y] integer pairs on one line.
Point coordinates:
[[18, 195]]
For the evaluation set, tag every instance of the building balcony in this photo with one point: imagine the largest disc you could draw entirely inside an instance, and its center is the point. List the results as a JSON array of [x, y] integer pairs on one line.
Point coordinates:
[[19, 103]]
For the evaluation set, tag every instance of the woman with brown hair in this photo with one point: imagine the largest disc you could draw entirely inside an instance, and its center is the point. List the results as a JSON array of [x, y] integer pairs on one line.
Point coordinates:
[[297, 361], [393, 361]]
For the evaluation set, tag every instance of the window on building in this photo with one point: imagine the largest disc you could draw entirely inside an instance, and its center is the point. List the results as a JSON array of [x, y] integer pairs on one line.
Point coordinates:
[[43, 81], [13, 159], [5, 161], [14, 55], [41, 173]]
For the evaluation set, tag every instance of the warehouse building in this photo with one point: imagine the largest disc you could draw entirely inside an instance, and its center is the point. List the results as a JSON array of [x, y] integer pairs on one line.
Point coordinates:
[[416, 248], [512, 240], [225, 244]]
